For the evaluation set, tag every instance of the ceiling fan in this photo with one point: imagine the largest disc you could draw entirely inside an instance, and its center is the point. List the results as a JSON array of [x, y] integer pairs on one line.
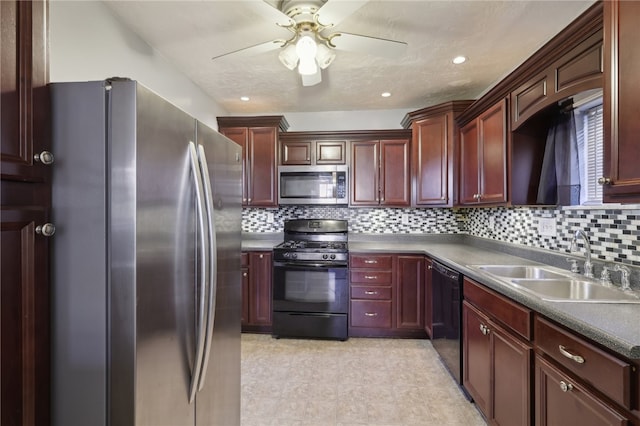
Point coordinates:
[[312, 44]]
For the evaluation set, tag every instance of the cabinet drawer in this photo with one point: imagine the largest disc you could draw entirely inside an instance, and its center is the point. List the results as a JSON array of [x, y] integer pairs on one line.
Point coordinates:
[[371, 277], [371, 313], [370, 261], [607, 373], [509, 313], [373, 292]]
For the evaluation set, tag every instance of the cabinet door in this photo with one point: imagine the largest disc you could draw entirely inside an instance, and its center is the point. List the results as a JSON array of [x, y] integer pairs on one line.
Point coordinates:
[[260, 272], [262, 171], [493, 140], [365, 173], [410, 288], [428, 299], [295, 153], [240, 135], [476, 357], [469, 164], [331, 152], [560, 400], [395, 175], [430, 156], [511, 379], [26, 202], [621, 102]]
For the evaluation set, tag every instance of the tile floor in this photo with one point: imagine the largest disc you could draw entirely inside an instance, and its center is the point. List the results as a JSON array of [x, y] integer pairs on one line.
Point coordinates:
[[357, 382]]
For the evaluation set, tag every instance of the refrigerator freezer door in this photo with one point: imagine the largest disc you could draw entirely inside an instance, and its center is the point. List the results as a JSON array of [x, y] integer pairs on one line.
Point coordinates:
[[218, 403]]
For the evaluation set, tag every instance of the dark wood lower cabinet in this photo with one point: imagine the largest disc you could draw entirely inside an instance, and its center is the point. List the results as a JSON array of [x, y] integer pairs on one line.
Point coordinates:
[[256, 292], [496, 369], [410, 285], [560, 400]]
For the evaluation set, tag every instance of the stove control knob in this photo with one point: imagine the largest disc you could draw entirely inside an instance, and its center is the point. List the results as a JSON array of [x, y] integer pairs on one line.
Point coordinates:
[[325, 256], [333, 256], [286, 254], [294, 255]]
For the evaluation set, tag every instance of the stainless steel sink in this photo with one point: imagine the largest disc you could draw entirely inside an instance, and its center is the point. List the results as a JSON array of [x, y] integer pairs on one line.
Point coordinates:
[[573, 290], [520, 271], [556, 285]]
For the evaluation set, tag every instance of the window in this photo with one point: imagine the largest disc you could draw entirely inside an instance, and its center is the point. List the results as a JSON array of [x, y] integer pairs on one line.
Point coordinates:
[[590, 144]]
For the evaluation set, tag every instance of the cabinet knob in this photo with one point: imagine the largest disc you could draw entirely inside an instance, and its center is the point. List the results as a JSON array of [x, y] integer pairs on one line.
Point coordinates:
[[262, 256], [46, 230], [566, 387], [249, 200], [429, 267], [484, 329], [244, 274], [45, 157], [604, 181]]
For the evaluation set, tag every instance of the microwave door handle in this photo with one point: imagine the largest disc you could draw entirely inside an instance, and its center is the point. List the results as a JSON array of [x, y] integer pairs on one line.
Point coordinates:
[[335, 185]]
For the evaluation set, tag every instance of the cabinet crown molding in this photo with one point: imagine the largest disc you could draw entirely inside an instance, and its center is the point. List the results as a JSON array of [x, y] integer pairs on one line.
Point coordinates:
[[278, 121]]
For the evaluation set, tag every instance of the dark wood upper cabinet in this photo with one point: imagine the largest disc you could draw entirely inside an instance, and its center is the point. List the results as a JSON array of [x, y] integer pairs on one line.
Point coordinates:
[[300, 152], [621, 102], [25, 190], [433, 153], [380, 173], [258, 137], [483, 158]]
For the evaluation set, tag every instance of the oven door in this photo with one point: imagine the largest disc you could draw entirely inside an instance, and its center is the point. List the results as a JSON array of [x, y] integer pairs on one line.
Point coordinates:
[[310, 287]]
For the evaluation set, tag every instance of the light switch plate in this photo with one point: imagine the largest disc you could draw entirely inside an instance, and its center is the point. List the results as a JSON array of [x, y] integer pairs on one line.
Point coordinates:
[[269, 217], [547, 227], [405, 219]]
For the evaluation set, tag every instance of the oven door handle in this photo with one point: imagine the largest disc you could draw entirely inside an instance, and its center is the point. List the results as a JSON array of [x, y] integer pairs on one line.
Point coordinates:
[[295, 265]]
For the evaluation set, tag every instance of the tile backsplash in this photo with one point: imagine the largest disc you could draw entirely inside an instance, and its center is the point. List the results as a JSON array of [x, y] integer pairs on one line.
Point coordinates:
[[614, 233]]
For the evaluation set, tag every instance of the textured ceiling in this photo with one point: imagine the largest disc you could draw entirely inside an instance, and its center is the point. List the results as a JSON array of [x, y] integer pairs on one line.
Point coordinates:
[[496, 36]]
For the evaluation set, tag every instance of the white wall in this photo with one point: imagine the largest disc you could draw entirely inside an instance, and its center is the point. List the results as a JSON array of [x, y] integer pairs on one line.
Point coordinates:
[[87, 42]]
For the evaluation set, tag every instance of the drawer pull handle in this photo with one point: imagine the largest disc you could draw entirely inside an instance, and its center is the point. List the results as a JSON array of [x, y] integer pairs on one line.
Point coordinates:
[[370, 277], [566, 353], [484, 329], [370, 292], [566, 387], [370, 314], [370, 261]]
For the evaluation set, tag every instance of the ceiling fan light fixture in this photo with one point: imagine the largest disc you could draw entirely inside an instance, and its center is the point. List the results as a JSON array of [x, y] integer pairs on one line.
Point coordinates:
[[324, 56], [306, 48], [289, 57], [307, 66]]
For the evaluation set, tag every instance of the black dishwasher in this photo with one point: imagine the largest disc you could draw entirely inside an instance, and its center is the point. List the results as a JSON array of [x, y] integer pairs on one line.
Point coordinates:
[[447, 305]]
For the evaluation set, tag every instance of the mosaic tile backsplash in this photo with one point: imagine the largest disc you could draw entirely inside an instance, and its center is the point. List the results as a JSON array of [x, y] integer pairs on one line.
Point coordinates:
[[614, 233]]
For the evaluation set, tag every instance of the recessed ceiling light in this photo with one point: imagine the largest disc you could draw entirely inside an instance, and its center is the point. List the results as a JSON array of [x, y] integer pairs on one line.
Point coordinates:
[[459, 59], [244, 98], [385, 94]]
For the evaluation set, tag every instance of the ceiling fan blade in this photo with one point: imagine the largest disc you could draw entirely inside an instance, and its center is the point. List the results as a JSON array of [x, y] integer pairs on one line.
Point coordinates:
[[335, 11], [372, 45], [254, 50], [272, 14], [313, 79]]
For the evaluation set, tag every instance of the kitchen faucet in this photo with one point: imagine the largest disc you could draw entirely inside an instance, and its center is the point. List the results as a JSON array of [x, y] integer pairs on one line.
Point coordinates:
[[588, 266]]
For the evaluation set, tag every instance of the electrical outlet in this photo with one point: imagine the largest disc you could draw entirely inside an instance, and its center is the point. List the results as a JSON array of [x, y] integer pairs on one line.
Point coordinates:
[[492, 223], [405, 219], [547, 227], [269, 217]]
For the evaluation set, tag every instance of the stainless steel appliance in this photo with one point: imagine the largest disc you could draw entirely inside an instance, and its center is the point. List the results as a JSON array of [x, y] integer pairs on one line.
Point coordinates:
[[313, 185], [310, 280], [446, 333], [146, 261]]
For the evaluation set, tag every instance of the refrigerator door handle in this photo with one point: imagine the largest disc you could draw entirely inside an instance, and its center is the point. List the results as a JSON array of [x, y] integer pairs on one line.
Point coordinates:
[[204, 255], [212, 263]]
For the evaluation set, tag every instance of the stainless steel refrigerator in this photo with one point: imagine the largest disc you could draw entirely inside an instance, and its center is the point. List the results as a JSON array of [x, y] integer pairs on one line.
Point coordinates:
[[146, 261]]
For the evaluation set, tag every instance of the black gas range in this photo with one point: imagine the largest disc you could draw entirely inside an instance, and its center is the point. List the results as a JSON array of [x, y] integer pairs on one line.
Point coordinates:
[[310, 280]]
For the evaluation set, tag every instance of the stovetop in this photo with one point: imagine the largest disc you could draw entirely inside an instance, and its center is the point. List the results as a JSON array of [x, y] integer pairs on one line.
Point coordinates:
[[326, 246]]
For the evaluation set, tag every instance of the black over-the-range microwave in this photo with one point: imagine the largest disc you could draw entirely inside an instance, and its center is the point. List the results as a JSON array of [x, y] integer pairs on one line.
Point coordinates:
[[313, 185]]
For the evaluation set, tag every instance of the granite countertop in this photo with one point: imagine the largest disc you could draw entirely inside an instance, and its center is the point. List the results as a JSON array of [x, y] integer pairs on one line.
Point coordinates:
[[613, 325]]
